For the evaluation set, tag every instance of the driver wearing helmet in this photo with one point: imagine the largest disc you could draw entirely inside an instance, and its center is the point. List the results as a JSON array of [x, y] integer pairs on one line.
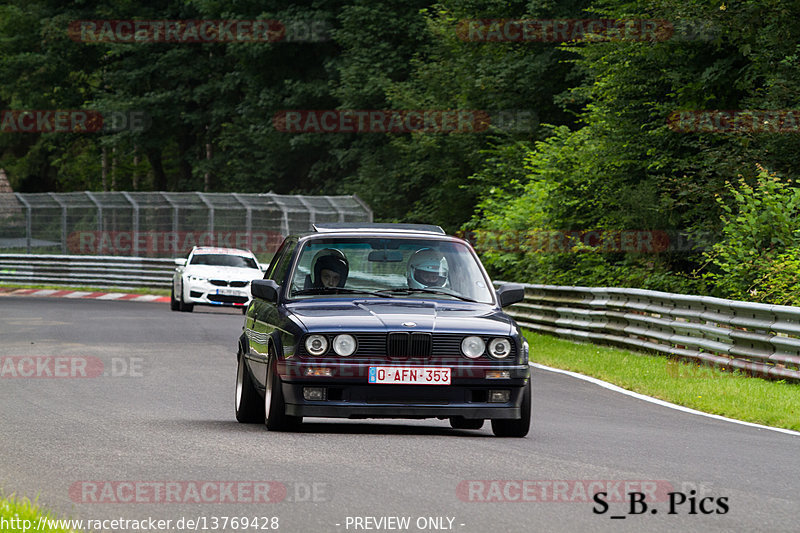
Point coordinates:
[[329, 268], [427, 268]]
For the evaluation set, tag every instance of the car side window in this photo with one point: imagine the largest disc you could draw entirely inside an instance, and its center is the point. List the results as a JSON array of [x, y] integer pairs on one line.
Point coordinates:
[[275, 260], [281, 263]]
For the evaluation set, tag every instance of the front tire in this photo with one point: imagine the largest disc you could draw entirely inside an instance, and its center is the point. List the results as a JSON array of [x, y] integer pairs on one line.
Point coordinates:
[[249, 407], [275, 417], [517, 427], [173, 303], [182, 306]]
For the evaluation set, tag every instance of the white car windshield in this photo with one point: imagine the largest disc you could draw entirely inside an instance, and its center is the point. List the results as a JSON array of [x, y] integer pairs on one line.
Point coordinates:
[[223, 260], [389, 267]]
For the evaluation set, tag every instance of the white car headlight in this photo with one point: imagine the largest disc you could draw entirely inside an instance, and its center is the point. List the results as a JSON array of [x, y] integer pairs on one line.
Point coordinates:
[[316, 344], [499, 348], [344, 345], [473, 347]]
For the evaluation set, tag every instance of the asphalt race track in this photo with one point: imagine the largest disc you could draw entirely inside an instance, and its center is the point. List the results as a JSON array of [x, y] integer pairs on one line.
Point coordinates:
[[156, 423]]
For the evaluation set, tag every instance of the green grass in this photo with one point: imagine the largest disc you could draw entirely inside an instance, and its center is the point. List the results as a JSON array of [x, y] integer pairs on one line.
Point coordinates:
[[129, 290], [23, 509], [734, 395]]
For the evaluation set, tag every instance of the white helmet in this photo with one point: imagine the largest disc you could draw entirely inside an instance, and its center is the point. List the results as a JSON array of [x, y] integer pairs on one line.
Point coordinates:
[[426, 268]]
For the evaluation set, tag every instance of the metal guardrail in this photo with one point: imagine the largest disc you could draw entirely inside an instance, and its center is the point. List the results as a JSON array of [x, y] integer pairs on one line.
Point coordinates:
[[757, 338], [86, 271]]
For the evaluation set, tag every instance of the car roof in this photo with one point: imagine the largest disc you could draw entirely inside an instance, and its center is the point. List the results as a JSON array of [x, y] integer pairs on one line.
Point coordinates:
[[372, 227], [369, 230], [221, 251]]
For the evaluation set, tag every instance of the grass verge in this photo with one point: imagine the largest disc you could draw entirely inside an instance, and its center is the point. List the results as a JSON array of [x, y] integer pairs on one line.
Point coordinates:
[[129, 290], [24, 515], [730, 394]]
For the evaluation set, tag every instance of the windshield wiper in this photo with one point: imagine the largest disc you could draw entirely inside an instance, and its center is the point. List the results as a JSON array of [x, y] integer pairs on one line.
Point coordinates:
[[429, 291], [337, 290]]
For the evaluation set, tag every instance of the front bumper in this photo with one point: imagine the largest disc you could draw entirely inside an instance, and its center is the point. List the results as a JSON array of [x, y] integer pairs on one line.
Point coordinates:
[[202, 294], [349, 395]]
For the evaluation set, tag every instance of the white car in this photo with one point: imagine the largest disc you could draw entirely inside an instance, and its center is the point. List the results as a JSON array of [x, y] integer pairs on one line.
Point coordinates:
[[214, 276]]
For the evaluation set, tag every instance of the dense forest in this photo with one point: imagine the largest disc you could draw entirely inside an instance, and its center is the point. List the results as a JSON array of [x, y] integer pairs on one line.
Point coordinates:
[[656, 148]]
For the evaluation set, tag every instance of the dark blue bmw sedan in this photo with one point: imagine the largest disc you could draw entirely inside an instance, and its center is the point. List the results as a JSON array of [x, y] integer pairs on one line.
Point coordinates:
[[382, 321]]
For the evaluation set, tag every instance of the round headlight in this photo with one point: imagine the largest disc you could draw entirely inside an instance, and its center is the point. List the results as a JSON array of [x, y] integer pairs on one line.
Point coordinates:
[[473, 347], [499, 348], [344, 345], [316, 344]]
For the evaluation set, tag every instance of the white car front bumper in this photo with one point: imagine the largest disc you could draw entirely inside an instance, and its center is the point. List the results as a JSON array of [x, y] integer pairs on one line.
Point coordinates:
[[208, 293]]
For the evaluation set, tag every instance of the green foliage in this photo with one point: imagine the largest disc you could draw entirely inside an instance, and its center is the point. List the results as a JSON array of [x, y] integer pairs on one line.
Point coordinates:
[[21, 514], [600, 156], [625, 169], [758, 256]]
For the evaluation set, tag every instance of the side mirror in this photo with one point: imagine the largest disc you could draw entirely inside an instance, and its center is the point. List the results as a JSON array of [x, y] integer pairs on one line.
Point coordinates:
[[266, 289], [510, 293], [180, 262]]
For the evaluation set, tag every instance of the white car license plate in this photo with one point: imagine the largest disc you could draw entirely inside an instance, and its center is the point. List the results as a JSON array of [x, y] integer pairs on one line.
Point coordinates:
[[417, 375], [228, 292]]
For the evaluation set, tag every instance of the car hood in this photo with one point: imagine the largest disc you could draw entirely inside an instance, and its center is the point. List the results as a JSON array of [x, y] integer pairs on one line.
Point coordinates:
[[223, 272], [394, 315]]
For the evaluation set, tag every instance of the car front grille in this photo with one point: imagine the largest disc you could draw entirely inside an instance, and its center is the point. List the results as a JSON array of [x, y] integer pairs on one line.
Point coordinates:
[[224, 283], [224, 298], [404, 345], [447, 344]]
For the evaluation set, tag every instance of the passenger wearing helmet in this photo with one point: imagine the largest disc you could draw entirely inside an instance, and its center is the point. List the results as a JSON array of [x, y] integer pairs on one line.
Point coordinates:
[[426, 268], [329, 269]]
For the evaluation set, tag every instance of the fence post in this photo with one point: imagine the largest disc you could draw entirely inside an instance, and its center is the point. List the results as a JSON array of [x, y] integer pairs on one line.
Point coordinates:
[[28, 221], [99, 211], [210, 207], [248, 220], [135, 232]]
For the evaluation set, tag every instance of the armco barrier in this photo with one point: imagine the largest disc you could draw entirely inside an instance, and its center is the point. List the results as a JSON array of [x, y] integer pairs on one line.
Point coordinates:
[[758, 338], [86, 271]]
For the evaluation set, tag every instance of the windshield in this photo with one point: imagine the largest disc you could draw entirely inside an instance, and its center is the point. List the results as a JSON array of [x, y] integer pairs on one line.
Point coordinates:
[[389, 267], [224, 260]]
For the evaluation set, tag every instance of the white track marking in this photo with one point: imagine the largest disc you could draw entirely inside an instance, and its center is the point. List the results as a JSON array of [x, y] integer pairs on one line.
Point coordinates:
[[76, 294], [44, 292], [111, 296]]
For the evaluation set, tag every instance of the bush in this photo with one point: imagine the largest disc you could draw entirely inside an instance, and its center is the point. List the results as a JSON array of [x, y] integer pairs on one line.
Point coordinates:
[[758, 256]]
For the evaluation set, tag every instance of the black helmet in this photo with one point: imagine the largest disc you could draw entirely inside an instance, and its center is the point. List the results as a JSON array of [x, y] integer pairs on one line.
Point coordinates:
[[329, 259]]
